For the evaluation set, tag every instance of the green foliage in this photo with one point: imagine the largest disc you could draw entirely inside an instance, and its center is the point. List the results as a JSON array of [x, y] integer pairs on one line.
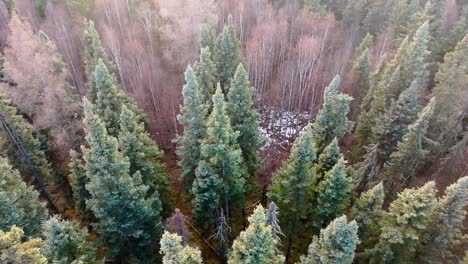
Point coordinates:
[[257, 244], [65, 242], [361, 74], [207, 189], [175, 253], [19, 203], [78, 181], [446, 229], [272, 220], [292, 186], [205, 71], [40, 7], [335, 245], [83, 7], [245, 119], [14, 250], [227, 55], [332, 120], [29, 142], [367, 171], [411, 150], [207, 39], [144, 156], [2, 68], [314, 6], [367, 212], [333, 194], [329, 157], [404, 224], [128, 220], [192, 118]]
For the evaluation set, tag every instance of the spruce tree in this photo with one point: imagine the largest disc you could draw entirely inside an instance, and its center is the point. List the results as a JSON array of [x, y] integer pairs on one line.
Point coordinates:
[[329, 157], [174, 253], [144, 156], [24, 133], [205, 71], [272, 220], [411, 149], [367, 212], [127, 219], [365, 44], [207, 39], [367, 171], [78, 181], [257, 244], [446, 229], [361, 74], [245, 119], [19, 203], [227, 55], [192, 119], [332, 120], [14, 250], [335, 245], [404, 224], [291, 188], [394, 124], [220, 150], [66, 241], [333, 194]]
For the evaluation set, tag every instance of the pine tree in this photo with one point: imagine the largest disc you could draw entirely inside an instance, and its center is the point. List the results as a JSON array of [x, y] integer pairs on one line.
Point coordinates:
[[404, 224], [361, 74], [333, 193], [335, 245], [329, 157], [291, 187], [92, 52], [220, 150], [65, 242], [411, 149], [206, 190], [367, 171], [365, 44], [272, 220], [78, 181], [452, 96], [332, 120], [19, 203], [207, 39], [14, 250], [446, 228], [227, 55], [367, 212], [205, 70], [245, 119], [144, 156], [28, 141], [394, 125], [257, 244], [192, 118], [175, 253], [128, 220], [438, 27]]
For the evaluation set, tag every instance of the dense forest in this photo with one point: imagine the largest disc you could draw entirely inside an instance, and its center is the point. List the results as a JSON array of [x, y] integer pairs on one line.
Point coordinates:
[[233, 131]]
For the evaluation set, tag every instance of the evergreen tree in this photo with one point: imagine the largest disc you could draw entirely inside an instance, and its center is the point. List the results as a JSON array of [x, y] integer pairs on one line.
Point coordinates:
[[128, 220], [206, 190], [2, 68], [227, 55], [329, 157], [272, 220], [446, 229], [291, 187], [257, 244], [361, 74], [205, 71], [333, 193], [144, 156], [92, 52], [411, 149], [19, 203], [403, 225], [174, 253], [366, 171], [394, 125], [65, 242], [367, 212], [207, 39], [245, 119], [222, 235], [332, 120], [335, 245], [220, 150], [192, 118], [438, 27], [365, 44], [14, 250], [452, 96], [78, 181]]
